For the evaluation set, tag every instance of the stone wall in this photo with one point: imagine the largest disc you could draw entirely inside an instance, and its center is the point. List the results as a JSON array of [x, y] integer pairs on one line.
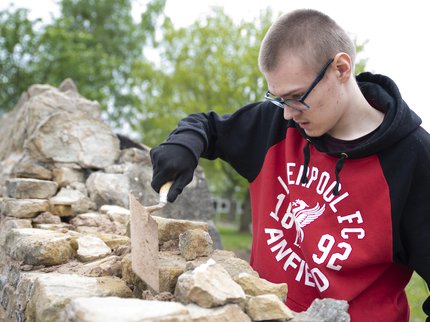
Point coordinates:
[[64, 238]]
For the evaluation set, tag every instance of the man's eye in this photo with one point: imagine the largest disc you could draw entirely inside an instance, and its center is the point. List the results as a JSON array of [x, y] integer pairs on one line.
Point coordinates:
[[293, 97]]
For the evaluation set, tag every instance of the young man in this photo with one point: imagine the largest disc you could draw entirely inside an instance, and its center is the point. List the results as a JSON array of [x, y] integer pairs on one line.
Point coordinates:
[[338, 168]]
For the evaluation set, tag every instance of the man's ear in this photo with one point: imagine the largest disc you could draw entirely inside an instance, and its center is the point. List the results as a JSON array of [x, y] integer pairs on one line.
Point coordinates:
[[343, 65]]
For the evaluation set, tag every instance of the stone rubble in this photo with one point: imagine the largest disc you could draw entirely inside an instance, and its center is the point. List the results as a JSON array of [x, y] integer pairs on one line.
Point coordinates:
[[64, 229]]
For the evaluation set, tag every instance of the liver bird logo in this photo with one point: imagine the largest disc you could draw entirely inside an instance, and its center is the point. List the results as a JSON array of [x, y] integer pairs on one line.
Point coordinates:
[[303, 216]]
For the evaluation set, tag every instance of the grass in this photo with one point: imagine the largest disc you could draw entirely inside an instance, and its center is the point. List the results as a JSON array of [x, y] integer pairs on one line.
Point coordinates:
[[416, 290]]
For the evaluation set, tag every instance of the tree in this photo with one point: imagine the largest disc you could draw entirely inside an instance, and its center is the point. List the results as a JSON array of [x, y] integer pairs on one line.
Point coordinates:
[[19, 41]]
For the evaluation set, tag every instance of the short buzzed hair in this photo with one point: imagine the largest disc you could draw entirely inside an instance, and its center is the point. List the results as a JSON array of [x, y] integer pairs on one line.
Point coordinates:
[[310, 34]]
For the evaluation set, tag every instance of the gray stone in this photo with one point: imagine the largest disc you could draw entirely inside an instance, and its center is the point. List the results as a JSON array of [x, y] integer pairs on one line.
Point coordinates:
[[229, 312], [267, 307], [170, 229], [23, 208], [94, 222], [52, 293], [91, 248], [108, 188], [253, 286], [27, 188], [74, 138], [27, 167], [38, 247], [108, 266], [235, 266], [171, 267], [325, 310], [135, 155], [64, 176], [115, 213], [35, 106], [46, 218], [209, 285], [9, 223], [195, 243], [6, 166], [115, 309], [77, 201]]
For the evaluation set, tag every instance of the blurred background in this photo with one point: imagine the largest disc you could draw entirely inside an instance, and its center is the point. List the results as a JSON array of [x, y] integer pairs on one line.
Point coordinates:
[[150, 63]]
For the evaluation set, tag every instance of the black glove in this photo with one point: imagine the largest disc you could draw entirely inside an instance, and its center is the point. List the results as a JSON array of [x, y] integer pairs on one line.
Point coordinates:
[[172, 162]]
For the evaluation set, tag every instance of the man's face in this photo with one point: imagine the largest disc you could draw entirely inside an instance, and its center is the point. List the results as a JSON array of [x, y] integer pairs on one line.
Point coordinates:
[[291, 79]]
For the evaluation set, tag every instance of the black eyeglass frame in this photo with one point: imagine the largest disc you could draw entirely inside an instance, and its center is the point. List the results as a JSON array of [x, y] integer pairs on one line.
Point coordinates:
[[280, 102]]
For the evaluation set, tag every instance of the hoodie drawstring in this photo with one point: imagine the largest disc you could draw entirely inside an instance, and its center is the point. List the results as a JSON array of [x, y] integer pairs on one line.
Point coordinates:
[[338, 168], [307, 156], [339, 165]]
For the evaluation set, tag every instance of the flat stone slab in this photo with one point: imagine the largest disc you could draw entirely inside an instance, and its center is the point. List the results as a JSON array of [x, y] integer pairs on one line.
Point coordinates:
[[26, 188], [114, 309], [23, 208], [51, 294], [38, 246]]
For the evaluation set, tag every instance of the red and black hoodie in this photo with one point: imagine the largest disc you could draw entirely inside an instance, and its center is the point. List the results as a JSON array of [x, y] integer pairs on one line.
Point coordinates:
[[349, 225]]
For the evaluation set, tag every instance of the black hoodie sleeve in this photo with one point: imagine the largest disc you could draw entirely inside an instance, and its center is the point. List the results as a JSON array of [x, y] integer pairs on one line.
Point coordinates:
[[409, 180], [241, 138]]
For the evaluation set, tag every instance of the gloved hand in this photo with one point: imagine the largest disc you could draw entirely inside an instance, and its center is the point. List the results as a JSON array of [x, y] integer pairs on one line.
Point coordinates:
[[172, 162]]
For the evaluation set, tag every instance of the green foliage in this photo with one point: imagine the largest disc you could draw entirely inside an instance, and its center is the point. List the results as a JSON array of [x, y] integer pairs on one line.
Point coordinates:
[[417, 291], [234, 241], [19, 42]]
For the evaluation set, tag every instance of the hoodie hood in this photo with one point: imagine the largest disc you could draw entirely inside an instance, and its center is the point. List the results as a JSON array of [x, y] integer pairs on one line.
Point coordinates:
[[399, 120]]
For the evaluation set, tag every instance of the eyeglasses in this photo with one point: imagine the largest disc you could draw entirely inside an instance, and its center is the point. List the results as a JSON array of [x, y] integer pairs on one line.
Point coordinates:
[[298, 104]]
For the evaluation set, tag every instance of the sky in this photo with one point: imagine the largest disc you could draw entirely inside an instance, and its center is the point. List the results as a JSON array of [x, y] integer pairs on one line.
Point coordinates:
[[397, 32]]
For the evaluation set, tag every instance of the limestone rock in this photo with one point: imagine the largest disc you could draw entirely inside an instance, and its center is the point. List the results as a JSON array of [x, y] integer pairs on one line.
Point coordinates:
[[267, 307], [327, 310], [6, 166], [52, 293], [9, 223], [93, 222], [64, 176], [46, 218], [27, 167], [25, 188], [116, 213], [135, 155], [114, 241], [235, 266], [74, 138], [209, 285], [34, 106], [23, 208], [114, 309], [38, 247], [195, 243], [170, 229], [91, 248], [254, 286], [77, 201], [171, 267], [108, 188], [108, 266], [229, 312]]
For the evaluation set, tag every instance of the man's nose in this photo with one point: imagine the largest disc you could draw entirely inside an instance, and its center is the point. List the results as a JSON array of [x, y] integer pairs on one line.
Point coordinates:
[[290, 113]]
